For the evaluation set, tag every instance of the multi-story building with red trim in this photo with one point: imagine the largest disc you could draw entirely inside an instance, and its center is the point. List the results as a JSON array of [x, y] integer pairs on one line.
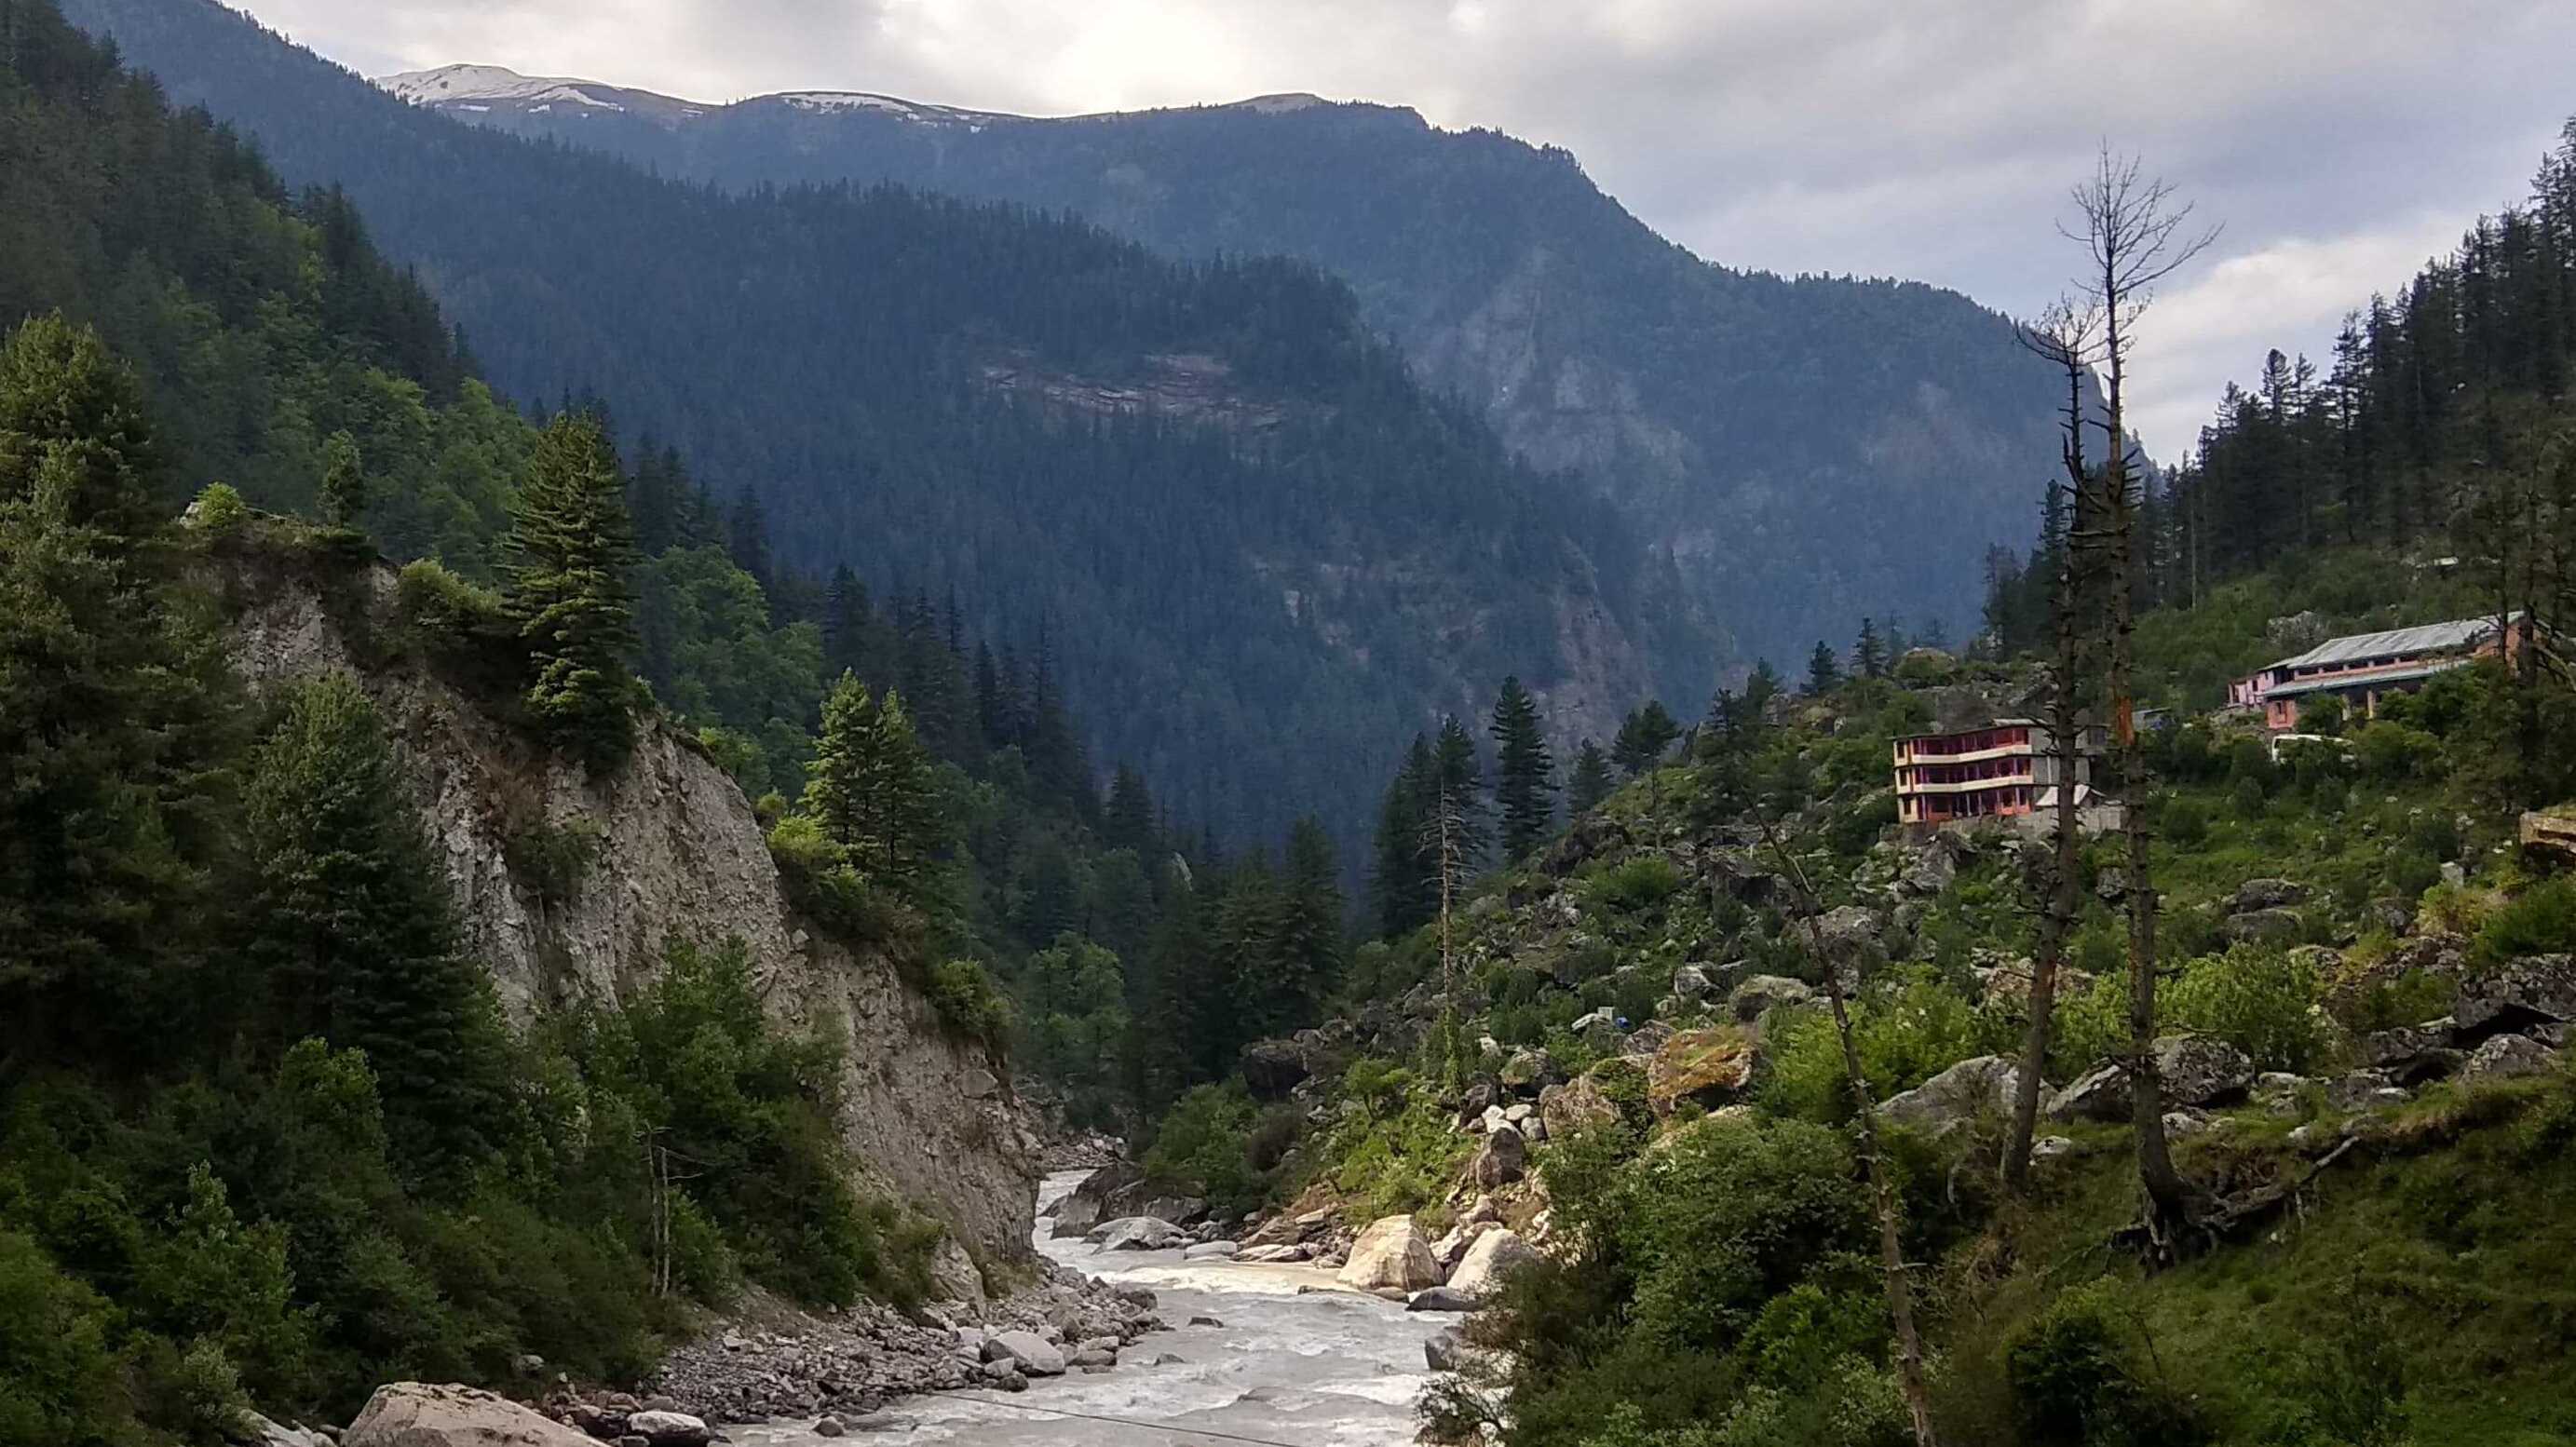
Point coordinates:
[[2003, 769]]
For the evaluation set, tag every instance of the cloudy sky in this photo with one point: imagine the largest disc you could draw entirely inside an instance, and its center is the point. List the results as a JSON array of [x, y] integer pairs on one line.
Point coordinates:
[[2340, 142]]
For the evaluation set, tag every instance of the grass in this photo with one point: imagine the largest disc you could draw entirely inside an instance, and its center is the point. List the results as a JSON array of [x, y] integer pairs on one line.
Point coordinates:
[[2425, 1290]]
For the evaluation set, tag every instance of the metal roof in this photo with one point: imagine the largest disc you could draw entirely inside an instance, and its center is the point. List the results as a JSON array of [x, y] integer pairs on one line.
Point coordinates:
[[2358, 681], [2451, 637]]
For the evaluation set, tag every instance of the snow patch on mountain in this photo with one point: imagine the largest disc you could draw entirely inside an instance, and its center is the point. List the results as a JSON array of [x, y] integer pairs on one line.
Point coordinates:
[[452, 83]]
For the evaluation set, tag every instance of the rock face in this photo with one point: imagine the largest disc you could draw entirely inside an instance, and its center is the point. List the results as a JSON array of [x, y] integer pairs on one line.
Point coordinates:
[[1957, 1095], [1488, 1257], [1577, 1105], [1390, 1253], [2540, 990], [417, 1414], [1763, 993], [1501, 1161], [1272, 1068], [1708, 1066], [2202, 1070], [681, 857]]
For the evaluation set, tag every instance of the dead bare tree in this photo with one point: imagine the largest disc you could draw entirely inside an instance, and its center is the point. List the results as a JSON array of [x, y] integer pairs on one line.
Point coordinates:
[[2135, 235], [1882, 1186], [2065, 336]]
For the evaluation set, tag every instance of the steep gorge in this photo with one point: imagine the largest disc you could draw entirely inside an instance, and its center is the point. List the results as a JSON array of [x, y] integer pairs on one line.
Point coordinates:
[[928, 1116]]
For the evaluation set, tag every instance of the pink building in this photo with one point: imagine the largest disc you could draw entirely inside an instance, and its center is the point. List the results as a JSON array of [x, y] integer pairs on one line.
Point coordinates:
[[2002, 770], [2366, 667]]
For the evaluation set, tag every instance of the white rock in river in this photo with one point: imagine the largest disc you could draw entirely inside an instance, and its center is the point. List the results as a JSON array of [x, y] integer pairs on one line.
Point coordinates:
[[1480, 1270], [1391, 1253], [1030, 1352]]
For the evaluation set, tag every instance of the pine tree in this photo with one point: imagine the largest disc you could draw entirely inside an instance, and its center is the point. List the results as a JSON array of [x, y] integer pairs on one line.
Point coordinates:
[[109, 791], [344, 482], [1398, 882], [1591, 782], [1312, 909], [1129, 820], [910, 831], [1869, 654], [570, 555], [1458, 785], [1523, 787], [1643, 736], [354, 935], [1824, 671], [838, 781]]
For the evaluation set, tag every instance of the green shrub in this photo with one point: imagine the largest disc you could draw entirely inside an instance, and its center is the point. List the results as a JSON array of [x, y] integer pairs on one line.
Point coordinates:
[[553, 859], [219, 511], [59, 1377], [2539, 921], [2260, 1000], [1397, 1162], [1201, 1147], [970, 1003], [1635, 884], [2076, 1380], [446, 609]]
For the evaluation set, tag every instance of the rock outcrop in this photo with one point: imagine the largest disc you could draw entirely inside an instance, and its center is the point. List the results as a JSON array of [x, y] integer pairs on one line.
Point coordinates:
[[679, 856], [420, 1414], [1391, 1253]]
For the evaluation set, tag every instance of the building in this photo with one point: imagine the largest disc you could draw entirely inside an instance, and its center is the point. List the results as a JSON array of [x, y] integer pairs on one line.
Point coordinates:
[[2364, 668], [2005, 769]]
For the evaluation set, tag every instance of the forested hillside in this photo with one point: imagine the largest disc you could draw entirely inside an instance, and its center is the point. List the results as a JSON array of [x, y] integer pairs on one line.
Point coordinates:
[[1795, 452], [1207, 485], [2421, 475]]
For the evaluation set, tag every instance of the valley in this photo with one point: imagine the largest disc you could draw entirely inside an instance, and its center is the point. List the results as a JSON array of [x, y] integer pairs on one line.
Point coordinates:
[[833, 767]]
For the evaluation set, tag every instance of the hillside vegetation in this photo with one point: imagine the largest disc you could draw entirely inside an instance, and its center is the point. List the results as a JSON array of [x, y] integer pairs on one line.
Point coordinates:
[[1646, 987]]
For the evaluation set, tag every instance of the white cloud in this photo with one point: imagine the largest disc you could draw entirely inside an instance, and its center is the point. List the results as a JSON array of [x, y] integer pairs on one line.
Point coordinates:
[[2339, 142]]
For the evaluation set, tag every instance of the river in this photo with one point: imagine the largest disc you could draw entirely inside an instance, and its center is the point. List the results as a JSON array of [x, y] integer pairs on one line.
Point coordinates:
[[1330, 1368]]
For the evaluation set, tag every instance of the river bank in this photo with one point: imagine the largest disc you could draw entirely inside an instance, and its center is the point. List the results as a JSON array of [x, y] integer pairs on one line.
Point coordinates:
[[1271, 1353]]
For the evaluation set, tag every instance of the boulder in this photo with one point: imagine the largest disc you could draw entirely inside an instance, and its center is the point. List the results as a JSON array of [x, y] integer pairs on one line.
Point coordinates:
[[1474, 1100], [1086, 1206], [2278, 1092], [1577, 1105], [1487, 1258], [1211, 1251], [1503, 1159], [2100, 1094], [2413, 1053], [1708, 1066], [2255, 894], [1645, 1040], [669, 1429], [828, 1425], [2505, 1056], [1853, 937], [1527, 1070], [2537, 990], [1930, 868], [1446, 1351], [2202, 1070], [1272, 1068], [1026, 1352], [1761, 994], [2363, 1090], [1694, 982], [1957, 1095], [1089, 1357], [1279, 1255], [2265, 926], [1390, 1253], [421, 1414], [1598, 1029], [1439, 1298], [1137, 1233], [2050, 1147]]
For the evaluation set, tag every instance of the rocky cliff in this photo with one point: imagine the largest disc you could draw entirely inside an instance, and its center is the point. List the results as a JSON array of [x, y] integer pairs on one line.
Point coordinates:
[[674, 853]]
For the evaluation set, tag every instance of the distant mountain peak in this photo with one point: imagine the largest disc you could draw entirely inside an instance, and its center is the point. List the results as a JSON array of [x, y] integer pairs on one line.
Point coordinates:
[[470, 88]]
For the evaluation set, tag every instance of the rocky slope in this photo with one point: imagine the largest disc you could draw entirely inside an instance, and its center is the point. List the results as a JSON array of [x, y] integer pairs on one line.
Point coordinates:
[[675, 854]]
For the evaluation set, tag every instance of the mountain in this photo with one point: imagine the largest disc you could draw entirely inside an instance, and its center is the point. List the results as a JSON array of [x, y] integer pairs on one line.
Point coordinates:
[[1797, 452], [1261, 554]]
